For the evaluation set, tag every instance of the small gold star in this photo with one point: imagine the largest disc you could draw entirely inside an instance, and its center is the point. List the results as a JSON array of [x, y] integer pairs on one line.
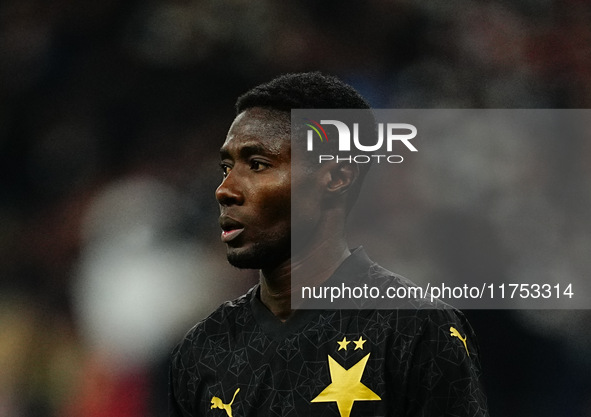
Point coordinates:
[[343, 343], [359, 343]]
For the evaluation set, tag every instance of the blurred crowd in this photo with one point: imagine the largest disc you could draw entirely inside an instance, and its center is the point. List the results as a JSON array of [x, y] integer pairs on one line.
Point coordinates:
[[111, 117]]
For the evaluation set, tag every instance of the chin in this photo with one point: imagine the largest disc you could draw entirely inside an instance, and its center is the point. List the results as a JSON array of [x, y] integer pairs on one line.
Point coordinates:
[[243, 263], [257, 257]]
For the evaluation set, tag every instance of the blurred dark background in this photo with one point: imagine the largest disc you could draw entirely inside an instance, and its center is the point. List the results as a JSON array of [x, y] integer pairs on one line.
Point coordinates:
[[111, 116]]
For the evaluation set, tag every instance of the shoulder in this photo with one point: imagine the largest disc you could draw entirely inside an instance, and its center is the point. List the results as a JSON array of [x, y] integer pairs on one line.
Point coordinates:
[[428, 315], [224, 319], [394, 291]]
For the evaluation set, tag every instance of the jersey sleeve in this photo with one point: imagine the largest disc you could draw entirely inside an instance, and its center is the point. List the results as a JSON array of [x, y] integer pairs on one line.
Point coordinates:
[[444, 369]]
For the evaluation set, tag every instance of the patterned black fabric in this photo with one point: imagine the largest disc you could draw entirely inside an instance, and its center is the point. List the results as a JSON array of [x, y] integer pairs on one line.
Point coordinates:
[[243, 361]]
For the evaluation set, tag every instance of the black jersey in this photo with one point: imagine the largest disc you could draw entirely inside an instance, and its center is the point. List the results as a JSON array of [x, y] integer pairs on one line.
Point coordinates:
[[243, 361]]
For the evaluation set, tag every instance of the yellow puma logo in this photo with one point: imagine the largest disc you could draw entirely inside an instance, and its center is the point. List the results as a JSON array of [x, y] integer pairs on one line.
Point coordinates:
[[218, 403], [455, 333]]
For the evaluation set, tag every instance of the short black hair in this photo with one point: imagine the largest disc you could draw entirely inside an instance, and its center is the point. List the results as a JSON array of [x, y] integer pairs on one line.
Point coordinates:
[[308, 90]]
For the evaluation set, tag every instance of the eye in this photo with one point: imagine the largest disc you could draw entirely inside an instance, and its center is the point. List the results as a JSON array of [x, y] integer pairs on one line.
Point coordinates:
[[256, 165], [225, 168]]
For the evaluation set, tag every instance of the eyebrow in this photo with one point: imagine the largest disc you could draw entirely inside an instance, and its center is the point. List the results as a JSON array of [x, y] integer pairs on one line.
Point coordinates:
[[248, 150]]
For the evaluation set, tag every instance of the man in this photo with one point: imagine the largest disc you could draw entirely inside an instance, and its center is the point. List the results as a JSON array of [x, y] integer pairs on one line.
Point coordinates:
[[259, 355]]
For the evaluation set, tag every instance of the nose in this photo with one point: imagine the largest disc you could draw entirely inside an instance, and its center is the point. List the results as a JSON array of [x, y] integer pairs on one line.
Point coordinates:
[[228, 192]]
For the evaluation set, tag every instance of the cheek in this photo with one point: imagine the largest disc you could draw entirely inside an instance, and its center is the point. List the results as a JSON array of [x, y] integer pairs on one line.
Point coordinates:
[[275, 207], [279, 194]]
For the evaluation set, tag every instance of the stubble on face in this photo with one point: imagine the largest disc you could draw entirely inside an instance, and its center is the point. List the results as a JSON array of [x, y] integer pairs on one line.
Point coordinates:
[[261, 255]]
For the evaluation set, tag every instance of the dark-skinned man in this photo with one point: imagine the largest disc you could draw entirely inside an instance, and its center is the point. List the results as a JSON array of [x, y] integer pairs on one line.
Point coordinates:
[[260, 355]]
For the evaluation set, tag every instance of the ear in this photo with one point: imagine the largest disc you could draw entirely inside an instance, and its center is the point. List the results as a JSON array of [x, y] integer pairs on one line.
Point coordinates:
[[340, 177]]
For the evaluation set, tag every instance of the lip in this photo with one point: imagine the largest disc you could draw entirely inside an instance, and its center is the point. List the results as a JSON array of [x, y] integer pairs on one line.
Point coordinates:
[[229, 235], [231, 228]]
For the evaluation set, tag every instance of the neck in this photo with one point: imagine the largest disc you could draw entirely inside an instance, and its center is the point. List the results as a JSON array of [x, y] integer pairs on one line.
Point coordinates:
[[317, 263]]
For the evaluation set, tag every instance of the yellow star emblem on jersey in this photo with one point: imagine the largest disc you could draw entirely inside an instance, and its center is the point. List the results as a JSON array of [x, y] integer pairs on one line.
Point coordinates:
[[343, 343], [346, 386], [359, 343]]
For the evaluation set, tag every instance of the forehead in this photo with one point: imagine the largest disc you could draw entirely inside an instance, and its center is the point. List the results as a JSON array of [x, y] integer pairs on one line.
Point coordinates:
[[269, 129]]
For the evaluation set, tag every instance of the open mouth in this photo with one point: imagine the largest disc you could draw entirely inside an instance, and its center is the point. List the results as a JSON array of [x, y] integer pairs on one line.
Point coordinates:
[[231, 229]]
